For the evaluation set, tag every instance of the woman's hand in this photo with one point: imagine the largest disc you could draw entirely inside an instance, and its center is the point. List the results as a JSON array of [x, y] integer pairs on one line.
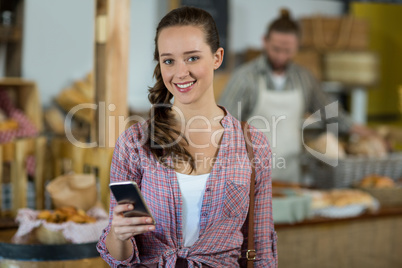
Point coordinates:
[[124, 228]]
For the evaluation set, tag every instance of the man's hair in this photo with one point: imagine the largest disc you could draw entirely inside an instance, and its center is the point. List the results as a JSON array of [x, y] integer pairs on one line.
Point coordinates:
[[283, 24]]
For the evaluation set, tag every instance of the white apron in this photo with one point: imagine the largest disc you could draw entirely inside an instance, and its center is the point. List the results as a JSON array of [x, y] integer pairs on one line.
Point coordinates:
[[278, 114]]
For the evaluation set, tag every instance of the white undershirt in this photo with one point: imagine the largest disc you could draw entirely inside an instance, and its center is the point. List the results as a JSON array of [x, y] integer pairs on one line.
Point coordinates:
[[192, 189], [279, 81]]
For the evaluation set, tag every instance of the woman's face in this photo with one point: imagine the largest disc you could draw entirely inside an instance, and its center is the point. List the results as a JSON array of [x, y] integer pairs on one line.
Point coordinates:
[[187, 64]]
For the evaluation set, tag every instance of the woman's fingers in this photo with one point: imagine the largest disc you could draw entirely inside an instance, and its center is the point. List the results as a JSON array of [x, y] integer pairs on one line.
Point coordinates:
[[119, 209], [126, 232], [126, 227], [139, 229], [123, 221]]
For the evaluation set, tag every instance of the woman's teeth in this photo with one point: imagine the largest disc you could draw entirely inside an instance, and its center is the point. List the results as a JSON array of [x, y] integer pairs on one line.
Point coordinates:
[[185, 85]]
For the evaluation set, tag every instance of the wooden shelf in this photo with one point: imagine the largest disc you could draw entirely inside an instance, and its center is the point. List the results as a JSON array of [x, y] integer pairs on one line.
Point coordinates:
[[25, 96], [10, 33]]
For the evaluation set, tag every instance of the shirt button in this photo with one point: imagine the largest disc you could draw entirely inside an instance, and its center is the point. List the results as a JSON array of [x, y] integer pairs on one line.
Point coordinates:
[[204, 214], [208, 189]]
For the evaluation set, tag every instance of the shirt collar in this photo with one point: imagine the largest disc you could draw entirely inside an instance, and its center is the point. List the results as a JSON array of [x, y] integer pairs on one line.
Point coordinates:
[[227, 121]]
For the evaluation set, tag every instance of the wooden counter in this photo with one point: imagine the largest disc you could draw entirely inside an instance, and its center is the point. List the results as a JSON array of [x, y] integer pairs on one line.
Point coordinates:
[[382, 213], [369, 240]]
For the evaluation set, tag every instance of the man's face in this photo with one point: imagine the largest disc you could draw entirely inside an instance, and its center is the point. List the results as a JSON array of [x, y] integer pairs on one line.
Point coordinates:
[[280, 48]]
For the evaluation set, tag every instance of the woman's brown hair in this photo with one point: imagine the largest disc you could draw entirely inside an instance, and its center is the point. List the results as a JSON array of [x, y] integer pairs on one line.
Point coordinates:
[[162, 138], [283, 24]]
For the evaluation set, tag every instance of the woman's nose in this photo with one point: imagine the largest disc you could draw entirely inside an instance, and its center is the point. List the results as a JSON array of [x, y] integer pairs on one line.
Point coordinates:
[[182, 70]]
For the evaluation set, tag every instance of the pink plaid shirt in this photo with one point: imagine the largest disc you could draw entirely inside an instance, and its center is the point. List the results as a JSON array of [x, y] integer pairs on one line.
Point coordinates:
[[224, 206]]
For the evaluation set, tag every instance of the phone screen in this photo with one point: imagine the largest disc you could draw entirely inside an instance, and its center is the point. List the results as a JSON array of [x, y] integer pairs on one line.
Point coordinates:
[[129, 193]]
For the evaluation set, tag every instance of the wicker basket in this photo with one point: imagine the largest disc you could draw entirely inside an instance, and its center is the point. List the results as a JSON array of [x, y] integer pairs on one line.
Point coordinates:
[[351, 170], [388, 197]]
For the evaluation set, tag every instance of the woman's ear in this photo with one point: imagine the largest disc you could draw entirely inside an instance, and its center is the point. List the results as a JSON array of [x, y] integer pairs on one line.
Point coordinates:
[[218, 58]]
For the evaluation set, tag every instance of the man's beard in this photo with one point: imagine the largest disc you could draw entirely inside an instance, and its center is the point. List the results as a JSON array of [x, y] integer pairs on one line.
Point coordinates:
[[277, 68]]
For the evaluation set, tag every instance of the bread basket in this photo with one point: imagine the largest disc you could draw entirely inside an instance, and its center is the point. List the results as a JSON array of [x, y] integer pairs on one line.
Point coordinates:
[[352, 169], [388, 197]]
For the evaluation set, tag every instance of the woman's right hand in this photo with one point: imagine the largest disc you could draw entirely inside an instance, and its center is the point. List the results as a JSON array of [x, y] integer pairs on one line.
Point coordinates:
[[124, 228]]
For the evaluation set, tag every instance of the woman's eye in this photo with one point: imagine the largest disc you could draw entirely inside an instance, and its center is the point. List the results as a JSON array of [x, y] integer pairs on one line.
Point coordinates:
[[193, 59], [167, 62]]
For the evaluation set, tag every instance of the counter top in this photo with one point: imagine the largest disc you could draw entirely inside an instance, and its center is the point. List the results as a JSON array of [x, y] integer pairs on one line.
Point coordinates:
[[383, 212]]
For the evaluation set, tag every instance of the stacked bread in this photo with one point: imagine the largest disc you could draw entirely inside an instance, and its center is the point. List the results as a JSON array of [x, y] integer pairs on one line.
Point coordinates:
[[340, 198]]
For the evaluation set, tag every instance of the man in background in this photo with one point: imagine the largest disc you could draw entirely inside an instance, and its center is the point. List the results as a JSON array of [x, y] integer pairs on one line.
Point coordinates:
[[274, 94]]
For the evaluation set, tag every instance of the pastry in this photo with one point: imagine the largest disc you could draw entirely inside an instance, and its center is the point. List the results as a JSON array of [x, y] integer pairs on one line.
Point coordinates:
[[65, 214], [376, 181]]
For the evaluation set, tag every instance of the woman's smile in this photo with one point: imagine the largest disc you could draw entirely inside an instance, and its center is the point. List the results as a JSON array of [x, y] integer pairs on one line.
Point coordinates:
[[185, 87]]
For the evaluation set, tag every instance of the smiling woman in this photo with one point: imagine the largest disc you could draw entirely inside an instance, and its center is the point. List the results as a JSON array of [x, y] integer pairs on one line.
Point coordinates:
[[189, 162], [187, 51], [187, 65]]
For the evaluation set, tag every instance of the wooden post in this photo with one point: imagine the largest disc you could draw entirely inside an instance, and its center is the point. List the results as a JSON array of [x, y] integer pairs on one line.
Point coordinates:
[[98, 161], [111, 69], [19, 177], [1, 181], [14, 45], [40, 150]]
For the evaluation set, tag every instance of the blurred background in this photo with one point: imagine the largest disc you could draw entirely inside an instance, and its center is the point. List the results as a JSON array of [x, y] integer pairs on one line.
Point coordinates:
[[97, 55]]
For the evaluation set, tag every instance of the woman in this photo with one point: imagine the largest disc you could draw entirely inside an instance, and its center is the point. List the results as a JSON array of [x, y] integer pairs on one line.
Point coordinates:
[[190, 162]]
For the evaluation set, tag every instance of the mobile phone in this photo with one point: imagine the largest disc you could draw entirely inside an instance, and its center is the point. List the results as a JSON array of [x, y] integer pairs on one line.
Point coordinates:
[[128, 192]]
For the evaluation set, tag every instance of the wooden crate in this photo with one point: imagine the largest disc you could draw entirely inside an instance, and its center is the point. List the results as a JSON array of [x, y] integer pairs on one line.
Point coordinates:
[[25, 96], [352, 68], [98, 161], [326, 33], [16, 154], [65, 157], [69, 157], [311, 60]]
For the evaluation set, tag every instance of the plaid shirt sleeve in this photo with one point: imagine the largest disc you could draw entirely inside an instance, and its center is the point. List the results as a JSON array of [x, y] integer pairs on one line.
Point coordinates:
[[265, 235], [124, 167]]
